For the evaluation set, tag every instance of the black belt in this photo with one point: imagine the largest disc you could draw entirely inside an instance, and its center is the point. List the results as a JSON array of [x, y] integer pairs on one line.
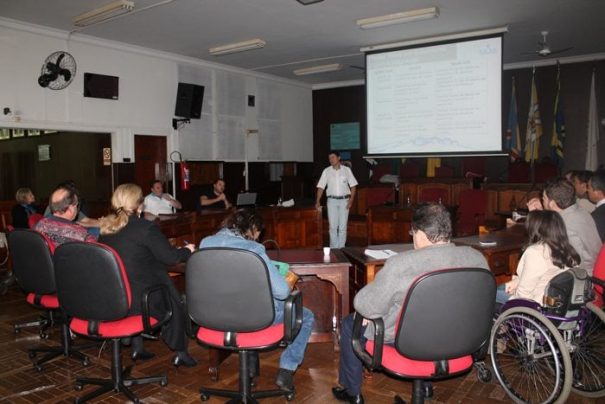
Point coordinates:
[[339, 197]]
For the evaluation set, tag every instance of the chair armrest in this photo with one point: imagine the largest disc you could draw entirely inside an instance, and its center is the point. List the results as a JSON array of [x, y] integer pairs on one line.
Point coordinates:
[[292, 315], [190, 327], [597, 281], [145, 306], [374, 361]]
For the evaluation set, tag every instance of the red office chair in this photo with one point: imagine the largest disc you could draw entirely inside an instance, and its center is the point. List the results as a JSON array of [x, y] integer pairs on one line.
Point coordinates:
[[598, 279], [34, 272], [229, 297], [445, 319], [33, 219], [434, 195], [93, 289], [471, 211]]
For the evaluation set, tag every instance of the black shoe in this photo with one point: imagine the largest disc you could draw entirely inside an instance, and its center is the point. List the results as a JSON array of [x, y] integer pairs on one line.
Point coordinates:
[[340, 393], [284, 379], [142, 355], [183, 358]]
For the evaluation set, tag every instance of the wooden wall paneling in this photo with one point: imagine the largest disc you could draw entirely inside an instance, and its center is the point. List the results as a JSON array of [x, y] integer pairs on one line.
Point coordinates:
[[150, 161], [435, 185], [511, 199], [408, 189], [388, 225]]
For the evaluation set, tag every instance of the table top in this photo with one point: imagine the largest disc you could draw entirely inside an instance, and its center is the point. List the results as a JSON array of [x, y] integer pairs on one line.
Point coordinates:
[[358, 253], [308, 257], [513, 237]]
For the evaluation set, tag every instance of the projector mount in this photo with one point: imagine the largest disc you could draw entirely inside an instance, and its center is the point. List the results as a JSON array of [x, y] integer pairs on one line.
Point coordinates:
[[178, 123]]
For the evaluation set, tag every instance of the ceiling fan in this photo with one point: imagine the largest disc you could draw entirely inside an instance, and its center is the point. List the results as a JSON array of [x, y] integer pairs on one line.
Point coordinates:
[[545, 50]]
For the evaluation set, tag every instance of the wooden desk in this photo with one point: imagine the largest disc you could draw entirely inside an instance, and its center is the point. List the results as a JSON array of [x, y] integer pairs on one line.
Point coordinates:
[[364, 267], [504, 256], [295, 227]]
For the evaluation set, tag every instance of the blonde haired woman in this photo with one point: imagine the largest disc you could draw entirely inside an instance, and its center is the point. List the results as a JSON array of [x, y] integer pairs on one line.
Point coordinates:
[[24, 208], [146, 253]]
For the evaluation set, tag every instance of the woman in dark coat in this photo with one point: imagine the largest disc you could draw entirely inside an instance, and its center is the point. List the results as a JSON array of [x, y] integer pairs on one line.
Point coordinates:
[[24, 208], [146, 253]]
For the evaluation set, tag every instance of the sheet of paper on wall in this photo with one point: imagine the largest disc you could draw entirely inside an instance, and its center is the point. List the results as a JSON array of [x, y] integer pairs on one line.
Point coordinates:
[[379, 254]]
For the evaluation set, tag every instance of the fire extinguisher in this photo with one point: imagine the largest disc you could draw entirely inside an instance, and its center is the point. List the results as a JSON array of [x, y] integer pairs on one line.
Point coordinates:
[[185, 184]]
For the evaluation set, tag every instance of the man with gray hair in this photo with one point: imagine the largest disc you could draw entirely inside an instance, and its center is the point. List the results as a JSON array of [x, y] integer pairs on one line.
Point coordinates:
[[559, 195], [383, 298]]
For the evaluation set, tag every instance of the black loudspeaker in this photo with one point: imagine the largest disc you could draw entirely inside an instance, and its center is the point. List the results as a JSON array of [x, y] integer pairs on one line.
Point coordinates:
[[189, 99]]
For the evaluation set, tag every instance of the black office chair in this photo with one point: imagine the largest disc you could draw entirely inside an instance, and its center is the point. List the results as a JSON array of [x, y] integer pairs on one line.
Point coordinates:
[[34, 272], [229, 297], [444, 322], [93, 289]]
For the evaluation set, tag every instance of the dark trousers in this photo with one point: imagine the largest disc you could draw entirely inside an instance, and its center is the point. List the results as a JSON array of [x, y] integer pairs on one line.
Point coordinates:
[[350, 369]]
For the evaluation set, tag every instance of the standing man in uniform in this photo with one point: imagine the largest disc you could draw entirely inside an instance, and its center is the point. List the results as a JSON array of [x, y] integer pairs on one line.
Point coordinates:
[[341, 186]]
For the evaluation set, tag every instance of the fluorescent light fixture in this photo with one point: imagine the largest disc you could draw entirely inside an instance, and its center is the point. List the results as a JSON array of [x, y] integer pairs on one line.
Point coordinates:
[[446, 37], [398, 18], [319, 69], [237, 47], [307, 2], [104, 13]]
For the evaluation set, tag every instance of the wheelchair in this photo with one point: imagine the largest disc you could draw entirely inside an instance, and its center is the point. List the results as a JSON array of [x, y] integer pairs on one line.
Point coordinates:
[[540, 353]]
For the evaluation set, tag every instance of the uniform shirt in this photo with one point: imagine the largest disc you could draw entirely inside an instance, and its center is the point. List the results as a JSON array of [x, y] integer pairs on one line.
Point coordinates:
[[338, 181], [157, 205], [583, 235]]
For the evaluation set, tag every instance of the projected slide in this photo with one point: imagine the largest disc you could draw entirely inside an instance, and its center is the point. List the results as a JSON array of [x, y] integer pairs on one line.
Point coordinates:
[[435, 99]]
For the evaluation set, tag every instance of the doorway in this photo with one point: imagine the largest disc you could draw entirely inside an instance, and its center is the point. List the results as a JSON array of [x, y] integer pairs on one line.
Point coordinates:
[[150, 161]]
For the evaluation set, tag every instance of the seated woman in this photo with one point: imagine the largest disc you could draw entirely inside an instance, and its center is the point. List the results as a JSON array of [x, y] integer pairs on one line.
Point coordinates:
[[24, 208], [241, 230], [146, 253], [548, 253]]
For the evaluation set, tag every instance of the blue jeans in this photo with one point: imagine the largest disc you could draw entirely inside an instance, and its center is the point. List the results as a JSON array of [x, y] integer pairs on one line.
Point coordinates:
[[338, 215], [294, 353], [350, 368], [501, 295]]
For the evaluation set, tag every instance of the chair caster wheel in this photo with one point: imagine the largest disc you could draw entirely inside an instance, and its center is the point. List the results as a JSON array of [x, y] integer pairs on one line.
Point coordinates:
[[38, 368], [204, 397], [485, 376], [164, 383], [290, 397]]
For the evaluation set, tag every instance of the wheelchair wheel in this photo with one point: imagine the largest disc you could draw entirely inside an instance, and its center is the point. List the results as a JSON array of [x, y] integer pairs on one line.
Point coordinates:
[[530, 358], [588, 354]]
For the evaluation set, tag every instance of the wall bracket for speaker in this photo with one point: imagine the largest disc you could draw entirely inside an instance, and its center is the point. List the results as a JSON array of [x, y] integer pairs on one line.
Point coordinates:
[[178, 123]]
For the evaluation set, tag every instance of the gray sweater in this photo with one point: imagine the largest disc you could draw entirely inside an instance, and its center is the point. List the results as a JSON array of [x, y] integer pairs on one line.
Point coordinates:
[[384, 296]]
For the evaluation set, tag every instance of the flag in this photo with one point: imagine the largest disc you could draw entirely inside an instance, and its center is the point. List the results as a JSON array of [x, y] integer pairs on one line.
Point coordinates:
[[513, 136], [534, 125], [558, 128], [431, 164], [593, 130]]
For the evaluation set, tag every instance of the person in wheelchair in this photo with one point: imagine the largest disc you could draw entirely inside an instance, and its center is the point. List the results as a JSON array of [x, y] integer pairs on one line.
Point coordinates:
[[547, 254]]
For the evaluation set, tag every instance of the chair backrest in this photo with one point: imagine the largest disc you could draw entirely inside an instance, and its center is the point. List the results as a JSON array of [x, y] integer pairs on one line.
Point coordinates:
[[568, 291], [599, 273], [32, 254], [91, 281], [434, 195], [446, 314], [229, 290], [33, 219]]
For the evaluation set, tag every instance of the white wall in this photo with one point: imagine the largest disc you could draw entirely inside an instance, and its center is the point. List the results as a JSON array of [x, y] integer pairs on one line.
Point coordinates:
[[147, 93]]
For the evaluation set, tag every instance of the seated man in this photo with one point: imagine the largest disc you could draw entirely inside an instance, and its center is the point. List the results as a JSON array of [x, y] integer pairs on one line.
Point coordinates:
[[214, 197], [158, 202], [559, 196], [81, 218], [431, 233], [579, 179], [59, 227], [596, 193], [241, 230]]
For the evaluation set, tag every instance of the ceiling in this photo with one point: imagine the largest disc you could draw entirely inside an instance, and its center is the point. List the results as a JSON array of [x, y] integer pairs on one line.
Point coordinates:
[[299, 36]]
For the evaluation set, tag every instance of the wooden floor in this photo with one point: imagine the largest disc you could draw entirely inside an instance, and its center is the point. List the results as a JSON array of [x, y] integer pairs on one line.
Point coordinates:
[[20, 383]]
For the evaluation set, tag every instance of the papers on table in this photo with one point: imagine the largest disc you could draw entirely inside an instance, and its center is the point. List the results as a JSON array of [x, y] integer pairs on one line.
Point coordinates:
[[379, 254]]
